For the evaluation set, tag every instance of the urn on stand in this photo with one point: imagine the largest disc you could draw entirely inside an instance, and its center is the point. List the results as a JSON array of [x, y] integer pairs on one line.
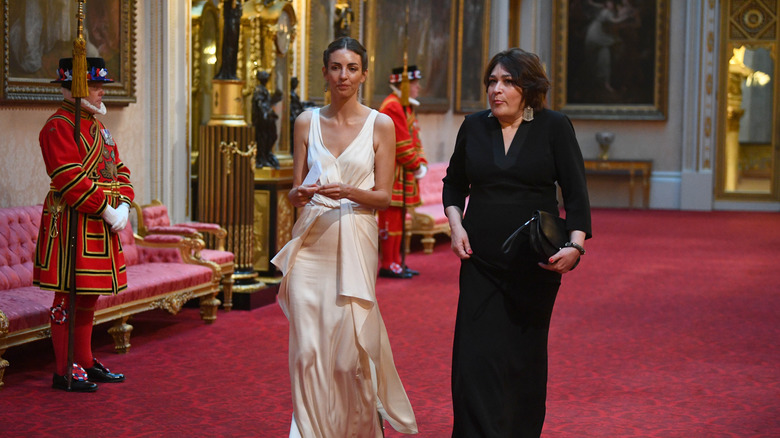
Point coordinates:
[[605, 139]]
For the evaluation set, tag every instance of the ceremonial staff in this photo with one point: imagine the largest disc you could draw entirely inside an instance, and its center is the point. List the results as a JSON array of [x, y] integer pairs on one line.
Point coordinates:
[[78, 90], [406, 106]]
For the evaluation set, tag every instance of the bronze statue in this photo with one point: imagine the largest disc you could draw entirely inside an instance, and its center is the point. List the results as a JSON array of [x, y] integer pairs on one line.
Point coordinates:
[[343, 19], [264, 120], [296, 108], [232, 10]]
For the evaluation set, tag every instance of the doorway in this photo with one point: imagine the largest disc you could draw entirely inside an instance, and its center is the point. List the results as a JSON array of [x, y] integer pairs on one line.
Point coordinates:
[[748, 167]]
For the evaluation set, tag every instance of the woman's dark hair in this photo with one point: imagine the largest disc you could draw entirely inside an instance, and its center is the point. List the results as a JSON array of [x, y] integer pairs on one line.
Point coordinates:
[[527, 73], [350, 44]]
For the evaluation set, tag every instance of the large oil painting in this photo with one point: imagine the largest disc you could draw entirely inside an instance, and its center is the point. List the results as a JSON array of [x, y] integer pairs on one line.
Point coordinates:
[[473, 39], [430, 47], [37, 33], [611, 58]]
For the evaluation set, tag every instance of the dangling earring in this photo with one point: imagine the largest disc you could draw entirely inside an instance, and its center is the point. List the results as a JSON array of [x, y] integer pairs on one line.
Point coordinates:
[[528, 114]]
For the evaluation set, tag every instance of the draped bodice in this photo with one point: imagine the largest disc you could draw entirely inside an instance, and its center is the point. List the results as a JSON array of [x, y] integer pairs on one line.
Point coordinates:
[[354, 166]]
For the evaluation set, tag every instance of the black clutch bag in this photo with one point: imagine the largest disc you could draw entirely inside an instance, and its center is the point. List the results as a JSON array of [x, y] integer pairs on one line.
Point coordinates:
[[547, 235]]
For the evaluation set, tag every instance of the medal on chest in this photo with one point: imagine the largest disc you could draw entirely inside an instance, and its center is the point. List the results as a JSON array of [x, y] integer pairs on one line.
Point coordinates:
[[107, 136]]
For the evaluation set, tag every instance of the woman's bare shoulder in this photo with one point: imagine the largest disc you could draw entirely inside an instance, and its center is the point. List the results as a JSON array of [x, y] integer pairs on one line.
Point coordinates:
[[383, 121]]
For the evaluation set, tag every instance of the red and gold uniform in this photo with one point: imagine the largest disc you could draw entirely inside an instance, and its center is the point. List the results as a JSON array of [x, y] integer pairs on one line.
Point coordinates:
[[90, 188], [86, 177], [409, 157]]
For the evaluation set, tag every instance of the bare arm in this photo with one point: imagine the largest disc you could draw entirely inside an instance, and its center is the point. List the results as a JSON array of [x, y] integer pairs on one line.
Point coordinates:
[[300, 195], [384, 165]]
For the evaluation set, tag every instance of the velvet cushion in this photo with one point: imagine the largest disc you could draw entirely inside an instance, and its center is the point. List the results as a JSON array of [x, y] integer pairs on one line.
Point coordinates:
[[200, 226], [26, 307], [435, 210], [129, 248], [151, 254], [18, 235], [431, 184], [155, 216], [151, 279], [216, 256], [172, 229]]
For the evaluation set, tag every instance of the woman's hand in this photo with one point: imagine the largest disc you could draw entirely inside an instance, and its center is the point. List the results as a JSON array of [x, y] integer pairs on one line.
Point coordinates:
[[301, 195], [562, 261], [460, 242], [335, 190]]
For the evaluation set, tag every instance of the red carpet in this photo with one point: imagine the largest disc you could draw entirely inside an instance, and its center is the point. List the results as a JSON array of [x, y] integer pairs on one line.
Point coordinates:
[[669, 328]]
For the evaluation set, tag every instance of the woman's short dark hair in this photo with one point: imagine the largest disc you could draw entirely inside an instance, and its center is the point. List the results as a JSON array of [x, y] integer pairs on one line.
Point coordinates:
[[350, 44], [527, 73]]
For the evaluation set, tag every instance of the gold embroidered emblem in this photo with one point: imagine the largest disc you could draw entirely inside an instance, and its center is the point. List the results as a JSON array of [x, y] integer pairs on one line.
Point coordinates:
[[109, 171]]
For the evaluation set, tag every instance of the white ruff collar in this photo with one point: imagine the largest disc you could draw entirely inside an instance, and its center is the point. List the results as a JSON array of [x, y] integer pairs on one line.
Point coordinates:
[[397, 92], [85, 104]]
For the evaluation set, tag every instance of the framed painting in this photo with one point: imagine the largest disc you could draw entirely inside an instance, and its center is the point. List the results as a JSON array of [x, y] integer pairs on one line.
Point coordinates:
[[610, 59], [37, 33], [430, 48], [473, 43]]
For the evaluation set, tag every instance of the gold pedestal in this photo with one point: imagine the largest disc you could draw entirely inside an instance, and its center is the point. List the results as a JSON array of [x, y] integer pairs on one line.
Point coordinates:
[[274, 216], [227, 106], [225, 196]]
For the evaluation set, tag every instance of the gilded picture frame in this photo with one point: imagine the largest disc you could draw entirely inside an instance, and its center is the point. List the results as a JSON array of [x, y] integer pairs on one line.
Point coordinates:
[[431, 47], [610, 59], [29, 64], [473, 46]]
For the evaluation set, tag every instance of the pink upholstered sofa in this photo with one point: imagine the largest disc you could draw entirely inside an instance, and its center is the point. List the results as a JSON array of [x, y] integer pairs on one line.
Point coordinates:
[[161, 273], [429, 219], [154, 219]]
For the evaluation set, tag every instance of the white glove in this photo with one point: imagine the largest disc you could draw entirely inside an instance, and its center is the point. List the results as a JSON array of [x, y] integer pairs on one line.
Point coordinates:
[[122, 211], [110, 215], [419, 173]]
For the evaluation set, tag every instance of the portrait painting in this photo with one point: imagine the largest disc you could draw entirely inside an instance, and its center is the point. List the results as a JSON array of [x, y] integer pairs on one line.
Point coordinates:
[[473, 41], [429, 42], [37, 33], [610, 58]]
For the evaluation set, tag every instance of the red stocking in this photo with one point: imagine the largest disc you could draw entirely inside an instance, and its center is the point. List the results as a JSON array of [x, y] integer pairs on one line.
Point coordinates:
[[85, 313], [82, 339], [59, 334], [391, 229]]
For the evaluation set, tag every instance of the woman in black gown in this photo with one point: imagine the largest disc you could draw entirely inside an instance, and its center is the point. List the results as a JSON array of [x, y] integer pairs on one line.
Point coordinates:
[[507, 161]]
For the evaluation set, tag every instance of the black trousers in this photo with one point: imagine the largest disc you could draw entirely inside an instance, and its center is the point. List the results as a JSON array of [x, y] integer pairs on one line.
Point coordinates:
[[499, 363]]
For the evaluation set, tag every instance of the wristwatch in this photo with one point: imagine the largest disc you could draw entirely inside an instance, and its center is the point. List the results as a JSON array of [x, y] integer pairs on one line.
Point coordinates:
[[576, 246]]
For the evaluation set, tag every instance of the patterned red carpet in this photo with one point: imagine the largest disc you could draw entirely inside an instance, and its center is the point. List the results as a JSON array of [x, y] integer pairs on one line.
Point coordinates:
[[669, 328]]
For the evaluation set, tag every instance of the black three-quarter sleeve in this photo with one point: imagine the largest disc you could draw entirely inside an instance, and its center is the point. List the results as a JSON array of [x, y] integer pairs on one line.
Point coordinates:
[[456, 182], [570, 170]]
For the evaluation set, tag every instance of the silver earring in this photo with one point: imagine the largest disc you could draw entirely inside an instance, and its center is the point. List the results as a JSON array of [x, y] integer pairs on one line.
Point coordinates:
[[528, 114]]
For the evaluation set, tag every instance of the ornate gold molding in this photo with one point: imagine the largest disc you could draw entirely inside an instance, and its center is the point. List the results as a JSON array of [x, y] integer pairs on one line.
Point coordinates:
[[172, 303], [3, 324]]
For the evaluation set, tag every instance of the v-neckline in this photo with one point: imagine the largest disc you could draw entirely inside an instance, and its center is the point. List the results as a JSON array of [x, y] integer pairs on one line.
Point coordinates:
[[322, 141], [505, 159]]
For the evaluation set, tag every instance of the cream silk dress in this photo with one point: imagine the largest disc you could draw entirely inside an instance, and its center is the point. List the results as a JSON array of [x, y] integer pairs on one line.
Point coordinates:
[[341, 365]]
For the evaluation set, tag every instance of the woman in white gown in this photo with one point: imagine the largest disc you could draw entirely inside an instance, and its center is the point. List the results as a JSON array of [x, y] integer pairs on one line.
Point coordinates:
[[344, 381]]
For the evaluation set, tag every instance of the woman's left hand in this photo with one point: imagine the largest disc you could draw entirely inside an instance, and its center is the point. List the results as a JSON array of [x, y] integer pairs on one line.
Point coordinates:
[[335, 190], [563, 261]]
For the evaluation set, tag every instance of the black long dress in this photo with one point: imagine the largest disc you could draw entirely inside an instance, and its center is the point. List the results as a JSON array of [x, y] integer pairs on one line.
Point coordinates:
[[499, 365]]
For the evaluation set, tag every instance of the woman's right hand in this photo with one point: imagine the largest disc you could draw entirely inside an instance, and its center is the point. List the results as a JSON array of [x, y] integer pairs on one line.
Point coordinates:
[[460, 242], [301, 195]]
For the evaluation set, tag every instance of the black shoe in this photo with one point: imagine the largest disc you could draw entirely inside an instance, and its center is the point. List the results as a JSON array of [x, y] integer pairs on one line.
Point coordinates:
[[388, 273], [60, 382], [411, 271], [99, 373]]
